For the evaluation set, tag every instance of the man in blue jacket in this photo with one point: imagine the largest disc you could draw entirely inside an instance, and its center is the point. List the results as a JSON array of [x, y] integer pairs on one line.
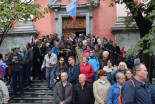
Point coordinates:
[[114, 91], [135, 91], [73, 71], [93, 60]]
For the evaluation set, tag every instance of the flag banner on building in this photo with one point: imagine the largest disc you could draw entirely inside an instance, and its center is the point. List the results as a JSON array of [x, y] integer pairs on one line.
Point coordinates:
[[2, 70], [71, 9], [31, 40]]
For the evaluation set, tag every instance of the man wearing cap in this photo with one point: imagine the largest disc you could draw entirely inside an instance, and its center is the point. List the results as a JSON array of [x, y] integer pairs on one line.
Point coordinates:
[[49, 63], [16, 66]]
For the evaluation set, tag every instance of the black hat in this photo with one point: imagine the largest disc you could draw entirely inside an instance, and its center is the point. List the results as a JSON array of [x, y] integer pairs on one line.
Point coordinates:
[[48, 49]]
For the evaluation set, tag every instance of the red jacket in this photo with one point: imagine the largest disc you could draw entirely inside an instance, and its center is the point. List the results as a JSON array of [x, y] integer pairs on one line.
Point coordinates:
[[88, 71]]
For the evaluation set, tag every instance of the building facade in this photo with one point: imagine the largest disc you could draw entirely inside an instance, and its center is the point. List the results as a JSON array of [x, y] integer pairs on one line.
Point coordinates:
[[101, 20]]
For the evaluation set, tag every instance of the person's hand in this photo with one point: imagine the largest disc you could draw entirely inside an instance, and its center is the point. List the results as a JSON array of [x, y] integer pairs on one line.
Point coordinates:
[[13, 61], [16, 61], [50, 64], [38, 60], [54, 80]]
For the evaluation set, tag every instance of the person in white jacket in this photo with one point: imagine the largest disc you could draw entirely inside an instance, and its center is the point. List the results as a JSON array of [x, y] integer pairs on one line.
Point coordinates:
[[4, 94], [50, 60]]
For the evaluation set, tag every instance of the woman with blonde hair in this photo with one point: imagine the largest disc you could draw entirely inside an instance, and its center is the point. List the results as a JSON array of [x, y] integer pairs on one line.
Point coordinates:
[[122, 67], [101, 88]]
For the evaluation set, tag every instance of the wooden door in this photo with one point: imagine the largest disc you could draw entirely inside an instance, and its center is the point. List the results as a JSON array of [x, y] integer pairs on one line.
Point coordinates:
[[70, 27]]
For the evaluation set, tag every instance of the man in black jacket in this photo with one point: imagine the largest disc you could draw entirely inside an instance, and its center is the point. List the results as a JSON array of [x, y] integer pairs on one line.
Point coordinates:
[[28, 63], [16, 66], [36, 71], [83, 92]]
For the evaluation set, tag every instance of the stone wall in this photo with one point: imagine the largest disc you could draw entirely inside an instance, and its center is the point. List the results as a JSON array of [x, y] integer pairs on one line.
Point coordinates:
[[127, 39], [12, 40]]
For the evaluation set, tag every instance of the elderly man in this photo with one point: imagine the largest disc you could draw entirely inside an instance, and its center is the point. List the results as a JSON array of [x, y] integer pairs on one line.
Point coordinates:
[[50, 60], [83, 92], [135, 91], [63, 90], [114, 91]]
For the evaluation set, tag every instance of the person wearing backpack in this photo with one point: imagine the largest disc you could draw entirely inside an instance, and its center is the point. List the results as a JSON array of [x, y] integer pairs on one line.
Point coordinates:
[[135, 90]]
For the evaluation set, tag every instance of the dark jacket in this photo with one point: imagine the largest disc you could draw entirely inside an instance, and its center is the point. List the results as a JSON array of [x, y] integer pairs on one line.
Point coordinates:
[[113, 80], [139, 94], [29, 56], [58, 96], [57, 71], [36, 54], [14, 66], [84, 96], [74, 74], [152, 90]]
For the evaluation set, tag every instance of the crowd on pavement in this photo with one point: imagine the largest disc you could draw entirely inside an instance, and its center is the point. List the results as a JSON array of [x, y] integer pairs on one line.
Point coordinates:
[[80, 70]]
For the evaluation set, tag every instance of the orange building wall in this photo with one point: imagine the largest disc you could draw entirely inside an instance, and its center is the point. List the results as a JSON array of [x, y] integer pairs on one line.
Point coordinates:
[[45, 25], [104, 18]]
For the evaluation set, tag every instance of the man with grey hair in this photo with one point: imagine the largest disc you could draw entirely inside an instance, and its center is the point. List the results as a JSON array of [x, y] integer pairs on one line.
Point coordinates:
[[63, 90], [135, 91], [83, 92], [114, 91]]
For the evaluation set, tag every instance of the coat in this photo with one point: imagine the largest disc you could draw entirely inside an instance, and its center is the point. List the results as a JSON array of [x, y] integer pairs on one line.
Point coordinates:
[[14, 66], [79, 55], [99, 55], [74, 75], [58, 96], [84, 96], [113, 94], [88, 71], [101, 91], [52, 59], [4, 93], [93, 60], [139, 94]]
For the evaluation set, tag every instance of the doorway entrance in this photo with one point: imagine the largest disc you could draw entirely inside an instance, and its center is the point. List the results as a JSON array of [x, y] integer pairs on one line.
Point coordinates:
[[70, 28]]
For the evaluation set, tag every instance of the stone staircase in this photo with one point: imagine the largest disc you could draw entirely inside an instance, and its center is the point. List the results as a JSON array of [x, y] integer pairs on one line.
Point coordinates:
[[37, 94]]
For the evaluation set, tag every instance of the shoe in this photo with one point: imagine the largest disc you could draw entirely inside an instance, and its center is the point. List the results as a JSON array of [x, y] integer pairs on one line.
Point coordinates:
[[13, 96], [22, 96], [28, 87]]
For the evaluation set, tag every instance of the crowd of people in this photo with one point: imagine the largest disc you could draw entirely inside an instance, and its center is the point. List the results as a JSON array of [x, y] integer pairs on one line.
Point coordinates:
[[80, 70]]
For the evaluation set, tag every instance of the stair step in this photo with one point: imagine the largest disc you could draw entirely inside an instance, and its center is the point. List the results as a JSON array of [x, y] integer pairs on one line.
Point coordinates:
[[38, 93], [32, 100], [33, 103]]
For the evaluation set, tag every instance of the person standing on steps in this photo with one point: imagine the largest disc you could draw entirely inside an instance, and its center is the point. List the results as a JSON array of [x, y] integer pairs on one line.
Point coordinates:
[[73, 72], [16, 66], [63, 90], [50, 60]]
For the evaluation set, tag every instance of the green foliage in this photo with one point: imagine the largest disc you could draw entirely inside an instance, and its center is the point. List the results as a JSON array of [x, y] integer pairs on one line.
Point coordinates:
[[16, 10], [149, 40]]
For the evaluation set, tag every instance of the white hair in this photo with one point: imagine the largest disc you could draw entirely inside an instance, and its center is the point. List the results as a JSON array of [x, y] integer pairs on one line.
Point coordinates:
[[83, 75], [65, 74], [118, 75], [106, 52], [124, 64]]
